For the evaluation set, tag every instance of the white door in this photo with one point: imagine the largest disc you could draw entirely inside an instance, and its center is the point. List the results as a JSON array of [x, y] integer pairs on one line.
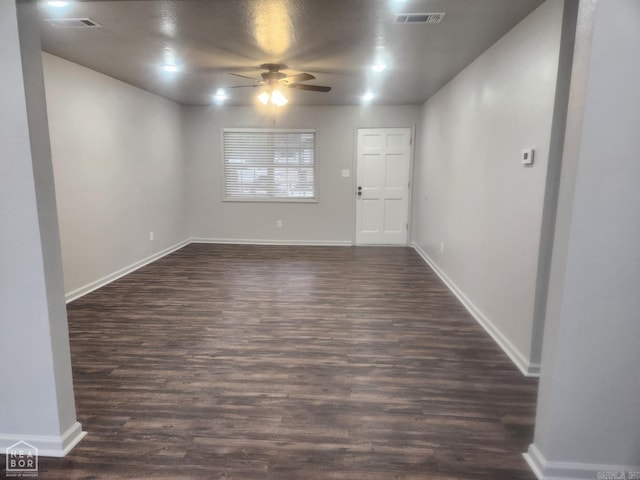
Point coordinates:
[[382, 195]]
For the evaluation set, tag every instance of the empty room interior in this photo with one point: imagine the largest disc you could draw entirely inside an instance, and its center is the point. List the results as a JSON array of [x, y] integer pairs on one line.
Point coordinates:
[[278, 239]]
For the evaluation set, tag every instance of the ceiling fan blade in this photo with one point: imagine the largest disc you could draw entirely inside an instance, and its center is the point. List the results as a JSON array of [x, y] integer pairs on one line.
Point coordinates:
[[244, 76], [242, 86], [311, 88], [299, 77]]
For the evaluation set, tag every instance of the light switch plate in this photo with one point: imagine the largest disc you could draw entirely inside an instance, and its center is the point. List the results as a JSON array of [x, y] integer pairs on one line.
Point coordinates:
[[346, 173]]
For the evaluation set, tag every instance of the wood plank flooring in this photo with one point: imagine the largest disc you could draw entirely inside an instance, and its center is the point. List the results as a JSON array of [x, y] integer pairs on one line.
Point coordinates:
[[273, 362]]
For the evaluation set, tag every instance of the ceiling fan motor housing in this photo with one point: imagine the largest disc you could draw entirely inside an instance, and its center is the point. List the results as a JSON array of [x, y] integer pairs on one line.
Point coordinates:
[[274, 77], [274, 74]]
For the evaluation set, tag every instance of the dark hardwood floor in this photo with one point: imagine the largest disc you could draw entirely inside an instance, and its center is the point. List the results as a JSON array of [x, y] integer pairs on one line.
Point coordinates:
[[269, 362]]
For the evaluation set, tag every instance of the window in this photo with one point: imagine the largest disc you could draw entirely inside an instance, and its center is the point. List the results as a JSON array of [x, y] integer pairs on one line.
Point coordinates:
[[267, 165]]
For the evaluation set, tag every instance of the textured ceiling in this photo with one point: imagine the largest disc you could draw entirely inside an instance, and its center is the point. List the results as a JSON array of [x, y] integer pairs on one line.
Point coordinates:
[[335, 40]]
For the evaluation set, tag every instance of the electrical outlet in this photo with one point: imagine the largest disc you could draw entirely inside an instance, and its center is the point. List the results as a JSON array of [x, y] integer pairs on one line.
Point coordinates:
[[151, 236], [279, 224]]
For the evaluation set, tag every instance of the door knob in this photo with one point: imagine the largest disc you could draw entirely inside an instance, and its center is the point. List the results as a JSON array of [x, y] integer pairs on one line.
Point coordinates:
[[359, 190]]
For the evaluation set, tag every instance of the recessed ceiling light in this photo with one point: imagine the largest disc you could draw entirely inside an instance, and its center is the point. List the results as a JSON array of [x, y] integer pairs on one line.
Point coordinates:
[[170, 67], [170, 63], [220, 95], [57, 4], [367, 97], [378, 67]]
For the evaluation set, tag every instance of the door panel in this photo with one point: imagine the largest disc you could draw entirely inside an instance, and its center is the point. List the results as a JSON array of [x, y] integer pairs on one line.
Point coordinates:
[[370, 215], [383, 169], [372, 171], [394, 177], [393, 216]]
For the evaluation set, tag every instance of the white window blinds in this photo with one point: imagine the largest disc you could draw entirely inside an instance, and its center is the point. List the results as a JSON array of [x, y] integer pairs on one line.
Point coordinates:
[[269, 165]]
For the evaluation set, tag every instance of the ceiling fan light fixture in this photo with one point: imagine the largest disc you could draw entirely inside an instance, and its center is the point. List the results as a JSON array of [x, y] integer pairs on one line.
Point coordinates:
[[274, 97], [278, 98], [264, 98]]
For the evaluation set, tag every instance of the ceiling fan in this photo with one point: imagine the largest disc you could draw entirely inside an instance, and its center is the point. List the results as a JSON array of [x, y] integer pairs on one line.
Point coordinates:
[[274, 78]]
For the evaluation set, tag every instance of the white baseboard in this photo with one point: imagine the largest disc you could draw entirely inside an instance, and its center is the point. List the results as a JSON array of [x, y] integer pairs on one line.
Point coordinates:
[[47, 445], [317, 243], [527, 368], [101, 282], [545, 470]]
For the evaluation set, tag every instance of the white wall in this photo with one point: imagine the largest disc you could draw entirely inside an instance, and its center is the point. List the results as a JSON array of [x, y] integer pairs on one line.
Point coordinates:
[[119, 172], [331, 220], [472, 194], [589, 397]]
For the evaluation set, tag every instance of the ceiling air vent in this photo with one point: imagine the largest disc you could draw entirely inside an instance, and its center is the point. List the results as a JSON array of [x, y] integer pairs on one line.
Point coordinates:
[[419, 17], [72, 22]]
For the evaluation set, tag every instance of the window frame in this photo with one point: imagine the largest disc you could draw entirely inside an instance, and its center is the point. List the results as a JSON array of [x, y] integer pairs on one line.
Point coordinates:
[[257, 199]]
